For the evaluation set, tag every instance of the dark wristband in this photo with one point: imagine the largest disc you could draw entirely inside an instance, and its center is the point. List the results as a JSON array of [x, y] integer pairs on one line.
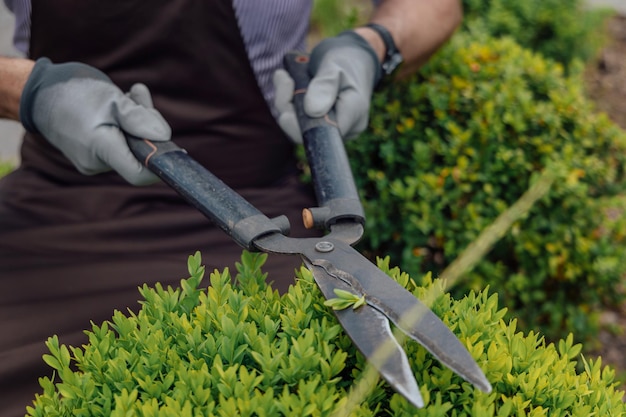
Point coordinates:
[[393, 57]]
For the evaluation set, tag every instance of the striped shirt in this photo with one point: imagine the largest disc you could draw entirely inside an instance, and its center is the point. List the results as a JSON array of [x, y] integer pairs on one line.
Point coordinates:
[[269, 28]]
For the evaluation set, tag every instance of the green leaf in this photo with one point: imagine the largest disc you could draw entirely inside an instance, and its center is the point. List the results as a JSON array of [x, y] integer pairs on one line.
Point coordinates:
[[344, 300]]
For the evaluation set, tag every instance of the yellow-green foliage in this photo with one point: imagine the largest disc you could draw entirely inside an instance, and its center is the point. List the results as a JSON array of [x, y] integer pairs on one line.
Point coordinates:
[[244, 350], [453, 147], [562, 30]]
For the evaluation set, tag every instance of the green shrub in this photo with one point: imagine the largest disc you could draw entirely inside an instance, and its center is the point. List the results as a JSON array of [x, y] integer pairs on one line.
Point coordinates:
[[5, 168], [453, 147], [245, 350], [562, 30], [329, 17]]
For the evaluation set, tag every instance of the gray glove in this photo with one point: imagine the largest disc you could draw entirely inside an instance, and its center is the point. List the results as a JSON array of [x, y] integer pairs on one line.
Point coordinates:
[[81, 112], [344, 71]]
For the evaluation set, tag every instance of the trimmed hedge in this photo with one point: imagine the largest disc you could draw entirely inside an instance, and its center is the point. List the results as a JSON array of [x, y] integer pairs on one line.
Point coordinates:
[[245, 350], [454, 146]]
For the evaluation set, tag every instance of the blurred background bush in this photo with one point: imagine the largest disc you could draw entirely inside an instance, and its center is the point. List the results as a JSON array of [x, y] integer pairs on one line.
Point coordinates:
[[457, 144]]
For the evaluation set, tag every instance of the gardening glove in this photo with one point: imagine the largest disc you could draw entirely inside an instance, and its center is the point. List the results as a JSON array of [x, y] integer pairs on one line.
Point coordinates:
[[79, 110], [344, 71]]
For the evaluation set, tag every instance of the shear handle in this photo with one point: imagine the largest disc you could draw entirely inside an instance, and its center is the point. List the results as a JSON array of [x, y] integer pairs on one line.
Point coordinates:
[[199, 187], [334, 184]]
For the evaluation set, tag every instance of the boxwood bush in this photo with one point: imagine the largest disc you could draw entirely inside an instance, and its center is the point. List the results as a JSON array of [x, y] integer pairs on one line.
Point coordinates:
[[454, 146], [562, 30], [245, 350]]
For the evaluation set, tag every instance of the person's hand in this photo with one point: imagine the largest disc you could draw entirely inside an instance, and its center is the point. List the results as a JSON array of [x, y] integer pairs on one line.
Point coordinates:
[[344, 71], [82, 113]]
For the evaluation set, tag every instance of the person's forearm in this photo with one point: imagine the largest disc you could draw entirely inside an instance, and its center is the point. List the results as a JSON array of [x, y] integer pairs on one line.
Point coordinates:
[[13, 75], [418, 27]]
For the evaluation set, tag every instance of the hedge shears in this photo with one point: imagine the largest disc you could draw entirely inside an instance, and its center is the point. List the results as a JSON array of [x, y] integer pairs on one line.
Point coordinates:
[[335, 265]]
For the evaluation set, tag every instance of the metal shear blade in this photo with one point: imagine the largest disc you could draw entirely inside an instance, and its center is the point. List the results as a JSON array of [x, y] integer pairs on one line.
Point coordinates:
[[371, 333], [397, 305], [336, 265]]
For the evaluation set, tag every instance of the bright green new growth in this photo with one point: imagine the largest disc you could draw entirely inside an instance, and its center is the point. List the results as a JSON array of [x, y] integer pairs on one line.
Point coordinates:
[[244, 350], [344, 300]]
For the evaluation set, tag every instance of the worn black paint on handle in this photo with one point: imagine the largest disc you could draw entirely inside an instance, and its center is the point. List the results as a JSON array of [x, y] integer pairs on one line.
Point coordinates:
[[199, 187], [334, 184]]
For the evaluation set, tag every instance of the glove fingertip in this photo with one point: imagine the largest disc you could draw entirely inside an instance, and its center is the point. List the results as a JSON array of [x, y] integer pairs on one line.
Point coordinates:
[[320, 97], [129, 168], [142, 178], [282, 76], [140, 94], [289, 124], [162, 130], [283, 88], [142, 121], [352, 115], [317, 106]]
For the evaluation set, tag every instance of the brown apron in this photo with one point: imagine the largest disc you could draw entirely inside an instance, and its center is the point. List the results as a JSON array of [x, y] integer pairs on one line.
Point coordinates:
[[73, 248]]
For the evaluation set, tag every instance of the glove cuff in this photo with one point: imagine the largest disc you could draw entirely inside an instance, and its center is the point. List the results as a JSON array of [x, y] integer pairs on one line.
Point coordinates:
[[32, 86], [46, 74], [349, 39]]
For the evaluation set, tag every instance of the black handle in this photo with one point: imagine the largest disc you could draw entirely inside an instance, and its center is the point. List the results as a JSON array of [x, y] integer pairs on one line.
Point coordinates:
[[231, 212], [334, 184]]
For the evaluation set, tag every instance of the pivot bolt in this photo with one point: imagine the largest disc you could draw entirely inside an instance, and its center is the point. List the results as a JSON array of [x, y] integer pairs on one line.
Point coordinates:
[[324, 247]]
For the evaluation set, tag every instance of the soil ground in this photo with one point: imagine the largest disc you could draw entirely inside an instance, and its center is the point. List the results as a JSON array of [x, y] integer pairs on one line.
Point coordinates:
[[606, 77], [606, 84]]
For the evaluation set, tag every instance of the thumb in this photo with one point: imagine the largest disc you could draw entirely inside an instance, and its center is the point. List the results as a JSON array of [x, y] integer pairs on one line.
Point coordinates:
[[323, 91]]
